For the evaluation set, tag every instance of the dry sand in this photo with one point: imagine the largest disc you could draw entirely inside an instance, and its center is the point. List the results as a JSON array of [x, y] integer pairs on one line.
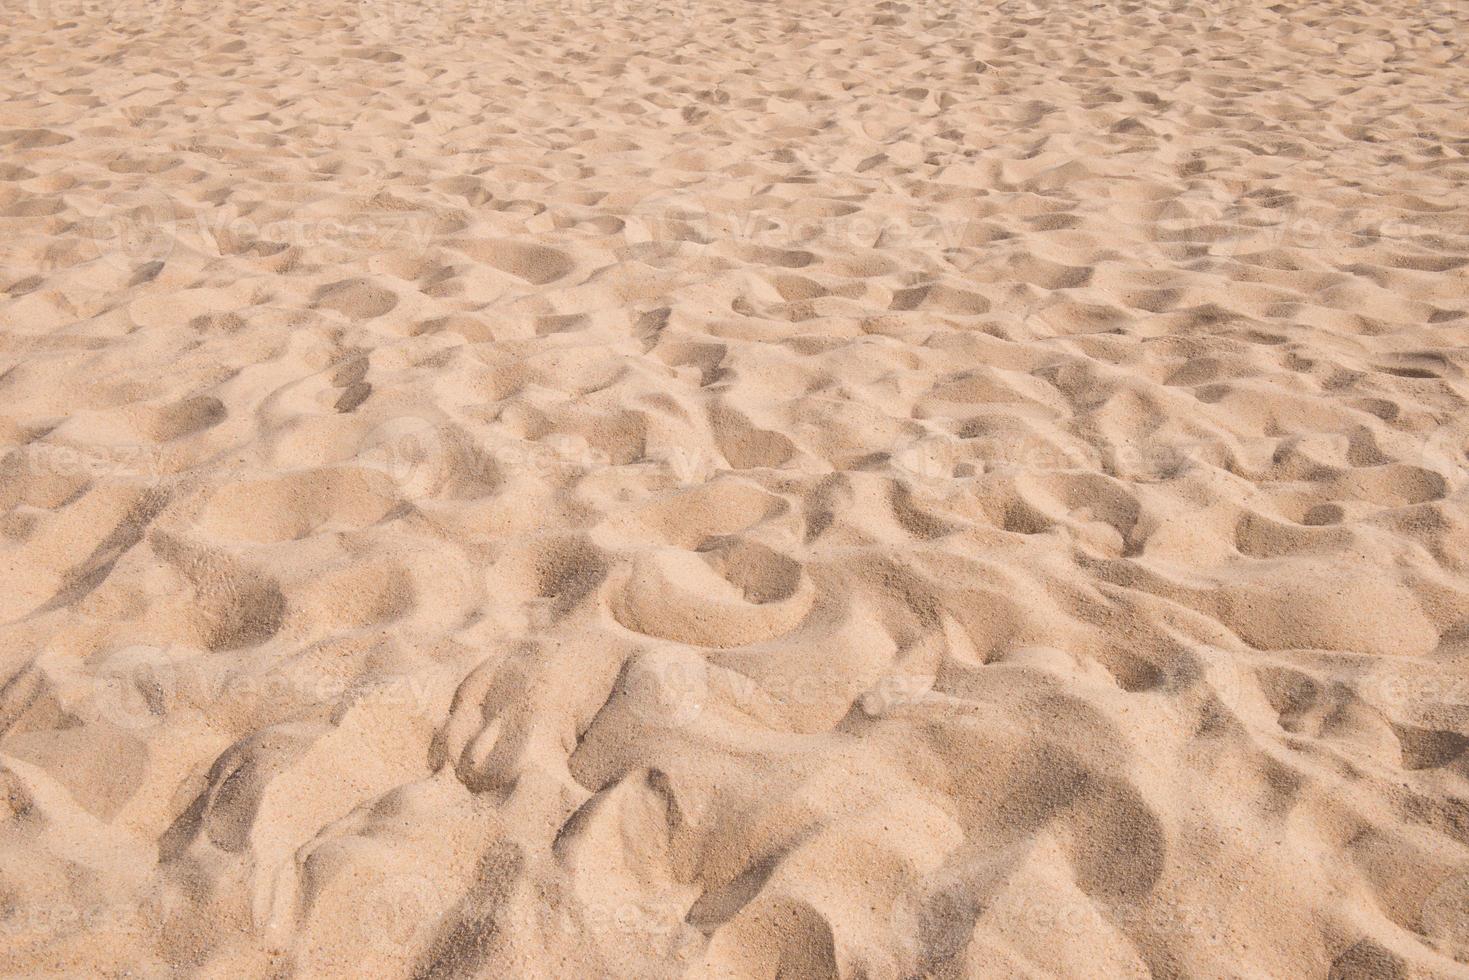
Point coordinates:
[[722, 489]]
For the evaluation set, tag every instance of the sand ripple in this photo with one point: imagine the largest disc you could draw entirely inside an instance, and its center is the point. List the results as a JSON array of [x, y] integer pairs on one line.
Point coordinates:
[[721, 489]]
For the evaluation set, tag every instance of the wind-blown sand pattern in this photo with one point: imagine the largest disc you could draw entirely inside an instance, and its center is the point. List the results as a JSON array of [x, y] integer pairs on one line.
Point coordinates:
[[726, 489]]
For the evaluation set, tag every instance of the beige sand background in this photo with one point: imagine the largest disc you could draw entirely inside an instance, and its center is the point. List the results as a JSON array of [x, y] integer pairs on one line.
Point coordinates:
[[729, 489]]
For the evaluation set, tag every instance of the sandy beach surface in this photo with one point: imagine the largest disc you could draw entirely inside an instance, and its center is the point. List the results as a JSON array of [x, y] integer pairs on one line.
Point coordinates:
[[724, 489]]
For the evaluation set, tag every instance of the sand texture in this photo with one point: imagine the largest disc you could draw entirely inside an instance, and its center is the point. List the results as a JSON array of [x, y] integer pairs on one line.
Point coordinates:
[[734, 489]]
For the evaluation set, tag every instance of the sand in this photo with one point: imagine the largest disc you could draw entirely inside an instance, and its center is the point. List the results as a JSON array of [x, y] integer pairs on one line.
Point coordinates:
[[730, 489]]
